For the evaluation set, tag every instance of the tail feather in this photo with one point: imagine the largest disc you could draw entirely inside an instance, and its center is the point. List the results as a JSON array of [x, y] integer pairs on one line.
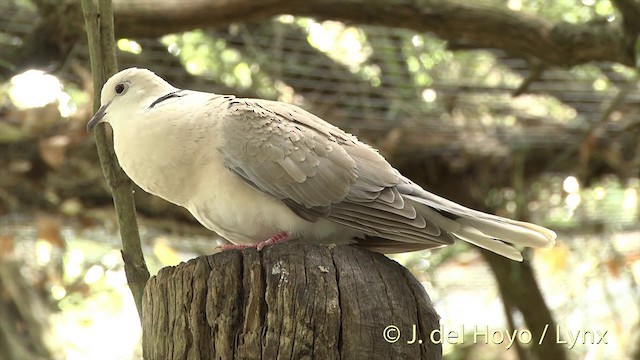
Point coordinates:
[[514, 232], [476, 237], [484, 230]]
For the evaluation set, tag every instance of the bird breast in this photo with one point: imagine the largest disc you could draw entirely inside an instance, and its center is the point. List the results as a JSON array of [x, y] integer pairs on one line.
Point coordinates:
[[159, 159]]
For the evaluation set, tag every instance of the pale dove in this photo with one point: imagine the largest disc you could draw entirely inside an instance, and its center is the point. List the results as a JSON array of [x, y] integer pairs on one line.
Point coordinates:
[[254, 170]]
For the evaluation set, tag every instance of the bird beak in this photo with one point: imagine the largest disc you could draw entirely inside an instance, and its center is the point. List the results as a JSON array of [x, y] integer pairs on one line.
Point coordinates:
[[97, 118]]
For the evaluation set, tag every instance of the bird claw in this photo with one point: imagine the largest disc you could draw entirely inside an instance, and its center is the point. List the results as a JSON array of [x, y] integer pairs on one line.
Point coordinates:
[[277, 238]]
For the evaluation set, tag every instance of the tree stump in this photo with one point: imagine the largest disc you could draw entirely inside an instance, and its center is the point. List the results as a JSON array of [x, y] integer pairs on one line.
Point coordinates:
[[289, 301]]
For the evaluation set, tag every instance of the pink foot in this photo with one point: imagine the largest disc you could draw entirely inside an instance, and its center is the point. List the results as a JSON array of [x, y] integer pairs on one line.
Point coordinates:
[[282, 236], [277, 238]]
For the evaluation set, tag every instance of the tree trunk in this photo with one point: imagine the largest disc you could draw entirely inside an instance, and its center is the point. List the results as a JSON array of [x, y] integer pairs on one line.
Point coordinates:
[[290, 301], [519, 287]]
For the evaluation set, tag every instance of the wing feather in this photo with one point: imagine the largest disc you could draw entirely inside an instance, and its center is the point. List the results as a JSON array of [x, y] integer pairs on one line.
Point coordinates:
[[292, 159], [318, 170]]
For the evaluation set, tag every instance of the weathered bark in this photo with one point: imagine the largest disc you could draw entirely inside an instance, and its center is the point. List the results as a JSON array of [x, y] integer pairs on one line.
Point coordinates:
[[290, 301]]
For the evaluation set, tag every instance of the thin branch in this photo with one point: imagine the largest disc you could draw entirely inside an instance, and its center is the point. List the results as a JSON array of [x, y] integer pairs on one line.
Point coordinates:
[[103, 64], [536, 70]]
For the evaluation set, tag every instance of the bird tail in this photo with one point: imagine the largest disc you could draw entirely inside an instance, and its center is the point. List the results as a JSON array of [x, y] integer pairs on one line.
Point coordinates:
[[497, 234], [494, 233]]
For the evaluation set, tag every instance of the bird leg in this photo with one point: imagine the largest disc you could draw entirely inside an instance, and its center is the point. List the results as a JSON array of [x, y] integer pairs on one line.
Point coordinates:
[[282, 236]]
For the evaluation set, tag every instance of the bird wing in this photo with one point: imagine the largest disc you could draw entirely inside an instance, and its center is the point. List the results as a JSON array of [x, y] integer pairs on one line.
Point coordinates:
[[318, 170]]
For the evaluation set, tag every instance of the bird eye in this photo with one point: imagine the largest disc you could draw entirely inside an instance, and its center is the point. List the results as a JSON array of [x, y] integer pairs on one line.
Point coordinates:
[[120, 88]]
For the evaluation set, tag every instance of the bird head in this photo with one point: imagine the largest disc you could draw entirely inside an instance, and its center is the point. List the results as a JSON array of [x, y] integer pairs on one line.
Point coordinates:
[[125, 93]]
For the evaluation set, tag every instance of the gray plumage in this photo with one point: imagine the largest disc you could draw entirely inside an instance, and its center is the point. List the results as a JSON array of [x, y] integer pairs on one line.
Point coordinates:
[[249, 169]]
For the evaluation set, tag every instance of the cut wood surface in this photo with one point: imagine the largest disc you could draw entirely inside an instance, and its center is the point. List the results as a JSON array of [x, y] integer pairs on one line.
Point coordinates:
[[289, 301]]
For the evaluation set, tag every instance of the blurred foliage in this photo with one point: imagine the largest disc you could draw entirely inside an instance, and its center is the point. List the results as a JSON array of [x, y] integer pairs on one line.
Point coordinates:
[[204, 56], [445, 98]]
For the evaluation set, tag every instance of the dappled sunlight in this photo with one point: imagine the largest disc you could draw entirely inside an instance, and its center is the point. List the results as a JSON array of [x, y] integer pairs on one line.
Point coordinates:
[[96, 317], [129, 45], [104, 326], [35, 88], [583, 284], [345, 44], [553, 143]]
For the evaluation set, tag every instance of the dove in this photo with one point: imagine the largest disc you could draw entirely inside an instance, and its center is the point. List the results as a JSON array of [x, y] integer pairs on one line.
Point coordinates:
[[259, 172]]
